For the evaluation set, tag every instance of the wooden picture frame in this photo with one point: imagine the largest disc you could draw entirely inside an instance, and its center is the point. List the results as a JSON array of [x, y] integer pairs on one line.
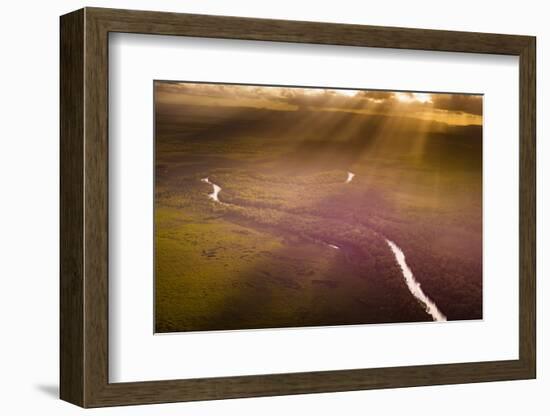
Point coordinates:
[[84, 207]]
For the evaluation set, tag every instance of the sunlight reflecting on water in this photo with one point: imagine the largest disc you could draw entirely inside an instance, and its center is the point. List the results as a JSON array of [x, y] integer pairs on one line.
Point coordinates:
[[215, 193], [413, 285]]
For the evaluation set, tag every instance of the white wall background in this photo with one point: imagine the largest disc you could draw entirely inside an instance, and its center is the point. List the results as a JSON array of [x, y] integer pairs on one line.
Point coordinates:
[[29, 209]]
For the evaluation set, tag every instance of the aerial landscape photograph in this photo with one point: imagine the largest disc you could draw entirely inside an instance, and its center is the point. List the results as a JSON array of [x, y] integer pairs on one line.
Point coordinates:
[[289, 206]]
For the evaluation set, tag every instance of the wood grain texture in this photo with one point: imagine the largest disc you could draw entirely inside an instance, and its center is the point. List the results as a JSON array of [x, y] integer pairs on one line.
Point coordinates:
[[527, 207], [96, 266], [84, 207], [225, 27], [71, 213]]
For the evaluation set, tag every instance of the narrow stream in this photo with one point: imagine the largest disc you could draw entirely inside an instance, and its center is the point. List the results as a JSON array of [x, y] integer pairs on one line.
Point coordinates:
[[216, 191], [413, 285]]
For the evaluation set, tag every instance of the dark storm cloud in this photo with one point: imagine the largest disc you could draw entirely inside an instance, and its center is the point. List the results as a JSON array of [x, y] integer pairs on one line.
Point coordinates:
[[418, 105], [471, 104]]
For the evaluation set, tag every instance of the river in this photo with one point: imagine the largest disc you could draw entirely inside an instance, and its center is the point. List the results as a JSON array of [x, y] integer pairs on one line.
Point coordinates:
[[414, 287], [216, 190]]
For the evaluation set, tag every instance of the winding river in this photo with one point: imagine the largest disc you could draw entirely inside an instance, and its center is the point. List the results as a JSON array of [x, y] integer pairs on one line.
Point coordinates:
[[412, 284], [216, 190]]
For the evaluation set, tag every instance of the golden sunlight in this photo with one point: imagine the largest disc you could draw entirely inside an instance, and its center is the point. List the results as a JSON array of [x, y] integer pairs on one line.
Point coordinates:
[[347, 93], [288, 207], [409, 97]]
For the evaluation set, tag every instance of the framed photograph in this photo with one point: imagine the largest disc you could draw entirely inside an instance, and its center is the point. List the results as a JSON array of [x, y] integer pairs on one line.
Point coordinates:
[[255, 207]]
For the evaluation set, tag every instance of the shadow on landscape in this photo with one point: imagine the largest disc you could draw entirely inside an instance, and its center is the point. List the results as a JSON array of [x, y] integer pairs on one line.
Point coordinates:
[[361, 285], [266, 161]]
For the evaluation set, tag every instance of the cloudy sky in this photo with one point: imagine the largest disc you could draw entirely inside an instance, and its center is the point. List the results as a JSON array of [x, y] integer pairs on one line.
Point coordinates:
[[452, 109]]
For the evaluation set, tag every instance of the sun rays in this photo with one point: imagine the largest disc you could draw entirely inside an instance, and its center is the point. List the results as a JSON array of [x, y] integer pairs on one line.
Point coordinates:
[[331, 121], [408, 97], [298, 187], [451, 109]]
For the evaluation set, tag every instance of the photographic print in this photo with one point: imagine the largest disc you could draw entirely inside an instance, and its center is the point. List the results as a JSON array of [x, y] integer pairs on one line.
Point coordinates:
[[285, 206]]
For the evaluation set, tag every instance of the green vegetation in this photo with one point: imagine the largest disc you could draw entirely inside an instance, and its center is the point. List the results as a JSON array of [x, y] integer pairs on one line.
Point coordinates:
[[263, 258]]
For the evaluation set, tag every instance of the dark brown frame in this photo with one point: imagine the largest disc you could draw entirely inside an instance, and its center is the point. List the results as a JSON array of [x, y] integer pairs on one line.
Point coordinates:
[[84, 207]]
